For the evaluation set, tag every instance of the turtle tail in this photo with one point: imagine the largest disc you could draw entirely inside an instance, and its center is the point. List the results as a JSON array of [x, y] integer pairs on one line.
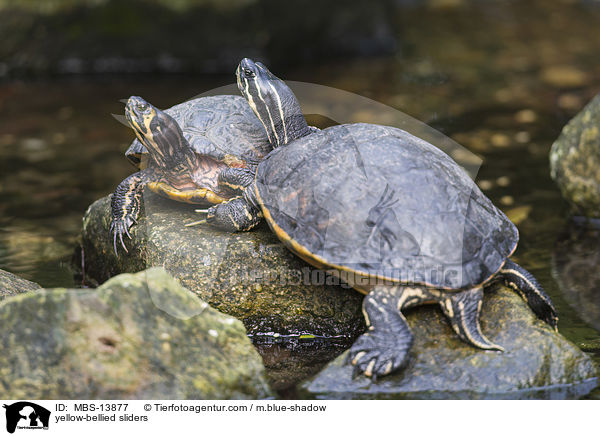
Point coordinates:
[[525, 284]]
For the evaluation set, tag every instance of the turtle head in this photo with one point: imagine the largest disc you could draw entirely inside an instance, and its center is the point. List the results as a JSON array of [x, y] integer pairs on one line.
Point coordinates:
[[158, 131], [272, 101]]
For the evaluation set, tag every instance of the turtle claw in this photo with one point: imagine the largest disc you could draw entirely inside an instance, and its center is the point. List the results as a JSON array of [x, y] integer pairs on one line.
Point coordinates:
[[366, 358], [118, 228], [372, 363], [123, 243], [195, 223], [374, 377], [355, 372]]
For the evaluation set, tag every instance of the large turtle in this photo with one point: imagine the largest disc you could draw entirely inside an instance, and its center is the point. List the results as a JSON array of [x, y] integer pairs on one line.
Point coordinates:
[[195, 152], [390, 213]]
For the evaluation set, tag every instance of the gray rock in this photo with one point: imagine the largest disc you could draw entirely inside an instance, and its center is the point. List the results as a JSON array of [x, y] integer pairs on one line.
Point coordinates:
[[11, 284], [135, 337], [575, 161], [250, 275], [537, 363]]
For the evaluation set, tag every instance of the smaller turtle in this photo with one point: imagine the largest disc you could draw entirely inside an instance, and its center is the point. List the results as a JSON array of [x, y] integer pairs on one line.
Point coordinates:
[[202, 151], [391, 214]]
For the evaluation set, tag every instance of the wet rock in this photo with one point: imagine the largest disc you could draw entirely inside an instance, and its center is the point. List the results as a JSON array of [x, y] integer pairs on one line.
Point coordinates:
[[575, 160], [537, 363], [576, 269], [11, 284], [137, 336], [250, 275]]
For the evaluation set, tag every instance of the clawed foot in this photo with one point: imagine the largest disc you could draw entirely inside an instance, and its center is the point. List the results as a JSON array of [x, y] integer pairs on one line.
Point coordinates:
[[233, 215], [119, 227], [204, 221], [373, 358]]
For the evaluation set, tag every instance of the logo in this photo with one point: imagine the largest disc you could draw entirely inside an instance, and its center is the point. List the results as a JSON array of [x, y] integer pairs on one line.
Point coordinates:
[[26, 415]]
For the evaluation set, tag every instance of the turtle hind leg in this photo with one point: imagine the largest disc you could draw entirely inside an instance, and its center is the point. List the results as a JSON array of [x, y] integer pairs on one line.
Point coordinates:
[[383, 348], [462, 310], [523, 282]]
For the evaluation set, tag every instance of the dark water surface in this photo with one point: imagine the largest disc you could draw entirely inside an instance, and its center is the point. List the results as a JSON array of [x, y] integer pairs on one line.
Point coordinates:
[[500, 78]]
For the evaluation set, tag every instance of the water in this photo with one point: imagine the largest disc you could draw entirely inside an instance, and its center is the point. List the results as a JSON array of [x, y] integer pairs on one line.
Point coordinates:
[[500, 78]]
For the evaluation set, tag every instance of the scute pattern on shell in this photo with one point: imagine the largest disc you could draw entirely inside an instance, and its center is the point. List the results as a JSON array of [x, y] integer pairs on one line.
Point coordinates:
[[380, 201], [218, 126]]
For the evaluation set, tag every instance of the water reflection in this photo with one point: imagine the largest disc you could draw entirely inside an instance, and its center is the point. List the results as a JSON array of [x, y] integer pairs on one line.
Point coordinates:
[[576, 268], [290, 360]]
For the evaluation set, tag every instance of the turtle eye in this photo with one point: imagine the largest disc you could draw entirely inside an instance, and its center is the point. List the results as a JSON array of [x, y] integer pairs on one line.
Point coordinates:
[[249, 73], [142, 107]]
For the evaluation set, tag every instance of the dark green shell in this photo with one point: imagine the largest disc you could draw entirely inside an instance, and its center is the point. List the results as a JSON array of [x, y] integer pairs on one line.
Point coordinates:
[[216, 126], [380, 201]]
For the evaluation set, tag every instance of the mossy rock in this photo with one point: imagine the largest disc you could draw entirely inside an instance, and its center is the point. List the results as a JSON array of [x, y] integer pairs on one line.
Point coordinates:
[[248, 275], [575, 161], [137, 336], [537, 362], [11, 284], [576, 269]]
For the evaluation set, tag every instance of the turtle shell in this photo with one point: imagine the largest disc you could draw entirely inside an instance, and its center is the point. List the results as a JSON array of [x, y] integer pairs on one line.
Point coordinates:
[[223, 127], [380, 202]]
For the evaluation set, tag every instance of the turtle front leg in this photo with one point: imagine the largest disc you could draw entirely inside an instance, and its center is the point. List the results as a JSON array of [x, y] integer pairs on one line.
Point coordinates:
[[125, 206], [236, 179], [384, 347]]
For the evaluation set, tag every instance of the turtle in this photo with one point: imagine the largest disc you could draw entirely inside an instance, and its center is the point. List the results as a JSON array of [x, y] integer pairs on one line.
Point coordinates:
[[197, 152], [389, 213]]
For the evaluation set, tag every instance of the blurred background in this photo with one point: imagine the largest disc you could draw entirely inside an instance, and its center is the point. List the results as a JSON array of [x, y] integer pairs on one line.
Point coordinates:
[[500, 77]]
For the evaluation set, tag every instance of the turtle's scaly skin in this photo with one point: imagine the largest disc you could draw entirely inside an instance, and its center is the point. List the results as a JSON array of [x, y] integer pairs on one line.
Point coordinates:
[[203, 151], [575, 161]]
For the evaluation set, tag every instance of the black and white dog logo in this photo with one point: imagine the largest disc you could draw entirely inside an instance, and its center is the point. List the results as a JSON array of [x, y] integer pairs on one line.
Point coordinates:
[[26, 415]]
